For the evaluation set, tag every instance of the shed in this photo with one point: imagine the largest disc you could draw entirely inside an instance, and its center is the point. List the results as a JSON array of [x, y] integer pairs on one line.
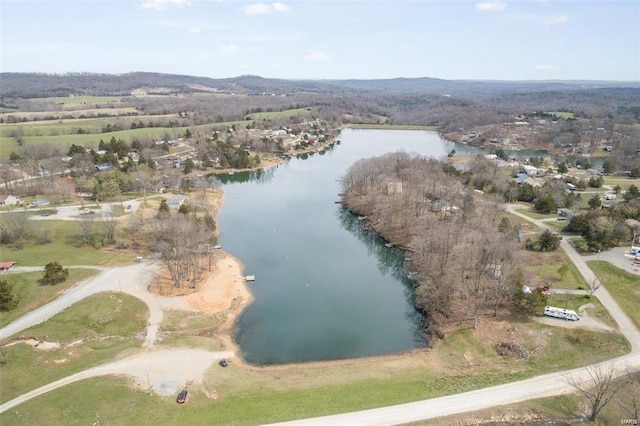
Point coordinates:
[[5, 266]]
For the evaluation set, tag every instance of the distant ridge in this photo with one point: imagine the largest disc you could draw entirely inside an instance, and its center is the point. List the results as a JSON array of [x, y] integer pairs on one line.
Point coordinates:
[[29, 85]]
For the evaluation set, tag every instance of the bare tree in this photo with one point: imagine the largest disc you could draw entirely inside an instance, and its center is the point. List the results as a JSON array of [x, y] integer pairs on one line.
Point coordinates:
[[108, 225], [184, 243], [629, 399], [86, 230], [598, 390]]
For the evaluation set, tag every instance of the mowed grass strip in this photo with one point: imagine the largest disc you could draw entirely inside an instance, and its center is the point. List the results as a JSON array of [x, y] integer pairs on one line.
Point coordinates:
[[93, 331], [32, 294], [622, 285]]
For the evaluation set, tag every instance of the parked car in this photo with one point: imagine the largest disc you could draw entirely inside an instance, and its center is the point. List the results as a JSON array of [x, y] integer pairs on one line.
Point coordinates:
[[182, 396]]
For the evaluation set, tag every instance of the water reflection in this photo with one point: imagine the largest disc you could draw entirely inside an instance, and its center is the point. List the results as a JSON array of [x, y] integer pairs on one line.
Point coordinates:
[[258, 176], [391, 260]]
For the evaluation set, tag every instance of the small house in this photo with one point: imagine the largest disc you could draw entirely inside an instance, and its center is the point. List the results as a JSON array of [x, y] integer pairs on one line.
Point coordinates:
[[5, 266], [175, 201], [530, 170], [9, 200], [104, 167]]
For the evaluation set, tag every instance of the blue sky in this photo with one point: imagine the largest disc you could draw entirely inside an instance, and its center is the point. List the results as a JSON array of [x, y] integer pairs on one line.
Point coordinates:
[[326, 39]]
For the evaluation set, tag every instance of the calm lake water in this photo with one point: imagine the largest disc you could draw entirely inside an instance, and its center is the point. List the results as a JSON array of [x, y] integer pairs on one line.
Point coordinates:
[[325, 287]]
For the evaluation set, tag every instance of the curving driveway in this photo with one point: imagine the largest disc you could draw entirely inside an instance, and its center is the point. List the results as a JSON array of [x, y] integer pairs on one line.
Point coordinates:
[[132, 279], [164, 370]]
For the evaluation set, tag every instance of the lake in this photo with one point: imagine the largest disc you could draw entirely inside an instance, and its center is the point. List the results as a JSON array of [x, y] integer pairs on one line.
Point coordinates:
[[326, 288]]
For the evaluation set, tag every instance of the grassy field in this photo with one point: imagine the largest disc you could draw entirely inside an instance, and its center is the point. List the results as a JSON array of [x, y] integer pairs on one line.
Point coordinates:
[[545, 267], [257, 396], [624, 182], [259, 116], [530, 212], [622, 285], [93, 331], [64, 141], [33, 295], [62, 249], [71, 126], [562, 408], [73, 101]]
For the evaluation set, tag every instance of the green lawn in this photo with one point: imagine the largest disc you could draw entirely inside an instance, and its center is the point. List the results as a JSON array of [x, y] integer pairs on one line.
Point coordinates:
[[71, 126], [622, 285], [280, 114], [62, 249], [546, 268], [33, 295], [96, 330], [530, 212], [248, 397]]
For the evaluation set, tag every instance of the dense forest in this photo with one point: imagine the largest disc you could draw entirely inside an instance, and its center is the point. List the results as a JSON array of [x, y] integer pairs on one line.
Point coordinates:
[[464, 250]]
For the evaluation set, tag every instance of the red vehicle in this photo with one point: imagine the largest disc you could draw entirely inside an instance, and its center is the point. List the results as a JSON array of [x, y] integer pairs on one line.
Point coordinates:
[[182, 396]]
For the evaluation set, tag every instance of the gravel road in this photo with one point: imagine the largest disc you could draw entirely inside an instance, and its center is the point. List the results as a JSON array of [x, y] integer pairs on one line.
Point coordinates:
[[164, 370]]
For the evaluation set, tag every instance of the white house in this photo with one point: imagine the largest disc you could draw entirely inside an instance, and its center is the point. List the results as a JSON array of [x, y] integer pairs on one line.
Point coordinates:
[[530, 170], [9, 200], [175, 201]]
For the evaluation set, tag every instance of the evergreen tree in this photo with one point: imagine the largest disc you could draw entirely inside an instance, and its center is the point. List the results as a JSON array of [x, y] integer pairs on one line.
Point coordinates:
[[163, 210], [54, 273], [8, 299]]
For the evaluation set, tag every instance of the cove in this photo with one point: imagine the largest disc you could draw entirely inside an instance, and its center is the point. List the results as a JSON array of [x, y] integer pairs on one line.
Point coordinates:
[[326, 288]]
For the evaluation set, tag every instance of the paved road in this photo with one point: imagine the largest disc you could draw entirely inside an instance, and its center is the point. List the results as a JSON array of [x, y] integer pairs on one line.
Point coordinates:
[[536, 387], [77, 212]]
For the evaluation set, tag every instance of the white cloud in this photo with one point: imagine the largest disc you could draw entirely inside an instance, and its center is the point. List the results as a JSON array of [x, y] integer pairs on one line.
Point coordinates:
[[316, 55], [266, 9], [555, 20], [228, 47], [194, 30], [490, 6], [164, 4], [546, 67]]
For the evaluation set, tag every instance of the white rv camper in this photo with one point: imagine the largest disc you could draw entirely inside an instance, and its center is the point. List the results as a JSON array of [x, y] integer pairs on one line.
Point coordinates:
[[566, 314]]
